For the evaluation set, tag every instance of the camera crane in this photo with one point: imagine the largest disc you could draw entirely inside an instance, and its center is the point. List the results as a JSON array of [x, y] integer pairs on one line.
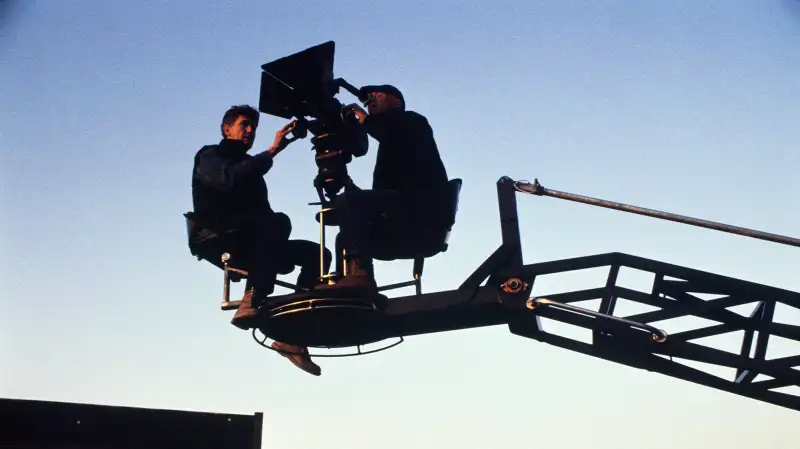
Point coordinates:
[[498, 292]]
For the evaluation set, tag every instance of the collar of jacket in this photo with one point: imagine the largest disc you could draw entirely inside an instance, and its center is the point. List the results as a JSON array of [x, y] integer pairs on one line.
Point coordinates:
[[233, 147]]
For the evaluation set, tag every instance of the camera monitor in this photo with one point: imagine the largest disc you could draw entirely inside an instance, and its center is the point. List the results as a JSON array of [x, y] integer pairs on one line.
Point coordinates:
[[296, 85]]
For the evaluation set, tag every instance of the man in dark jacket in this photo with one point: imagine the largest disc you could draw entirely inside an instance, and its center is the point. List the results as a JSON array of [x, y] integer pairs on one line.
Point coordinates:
[[229, 193], [409, 181]]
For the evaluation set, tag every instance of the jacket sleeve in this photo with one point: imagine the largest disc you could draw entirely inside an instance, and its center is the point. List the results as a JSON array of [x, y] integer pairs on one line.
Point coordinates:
[[218, 173]]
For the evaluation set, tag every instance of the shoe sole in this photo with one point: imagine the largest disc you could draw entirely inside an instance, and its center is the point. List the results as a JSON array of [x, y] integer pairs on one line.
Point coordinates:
[[244, 323], [295, 361]]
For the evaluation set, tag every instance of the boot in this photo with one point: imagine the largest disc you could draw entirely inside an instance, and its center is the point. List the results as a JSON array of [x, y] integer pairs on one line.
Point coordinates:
[[245, 315], [360, 278], [298, 356]]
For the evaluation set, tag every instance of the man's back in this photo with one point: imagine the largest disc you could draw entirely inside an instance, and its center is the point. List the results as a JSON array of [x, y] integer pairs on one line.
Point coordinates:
[[228, 184], [408, 158]]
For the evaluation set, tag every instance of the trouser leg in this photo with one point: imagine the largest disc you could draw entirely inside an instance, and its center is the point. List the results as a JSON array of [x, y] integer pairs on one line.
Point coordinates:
[[269, 246], [339, 254], [260, 279], [355, 210], [263, 273], [358, 214], [306, 255]]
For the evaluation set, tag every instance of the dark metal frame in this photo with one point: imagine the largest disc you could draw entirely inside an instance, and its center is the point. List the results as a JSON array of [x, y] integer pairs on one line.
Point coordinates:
[[499, 292]]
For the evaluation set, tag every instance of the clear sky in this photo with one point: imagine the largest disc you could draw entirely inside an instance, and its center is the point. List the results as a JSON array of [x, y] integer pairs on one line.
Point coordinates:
[[689, 107]]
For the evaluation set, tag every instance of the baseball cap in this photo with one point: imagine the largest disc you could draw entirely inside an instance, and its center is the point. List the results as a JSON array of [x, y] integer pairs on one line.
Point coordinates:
[[385, 88]]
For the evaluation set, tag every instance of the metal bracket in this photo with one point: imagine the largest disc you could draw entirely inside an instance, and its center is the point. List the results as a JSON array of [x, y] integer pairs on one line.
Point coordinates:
[[659, 335], [227, 304]]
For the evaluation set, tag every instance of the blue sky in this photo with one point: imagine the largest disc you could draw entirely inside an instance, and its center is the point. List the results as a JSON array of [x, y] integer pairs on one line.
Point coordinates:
[[683, 106]]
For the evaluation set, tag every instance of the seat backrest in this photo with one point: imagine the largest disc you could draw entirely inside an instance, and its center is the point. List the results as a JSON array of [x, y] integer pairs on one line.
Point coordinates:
[[196, 233], [191, 229], [432, 238], [454, 186], [454, 191]]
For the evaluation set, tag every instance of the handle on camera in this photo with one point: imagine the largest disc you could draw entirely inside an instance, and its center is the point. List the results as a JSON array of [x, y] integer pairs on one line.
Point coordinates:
[[350, 88]]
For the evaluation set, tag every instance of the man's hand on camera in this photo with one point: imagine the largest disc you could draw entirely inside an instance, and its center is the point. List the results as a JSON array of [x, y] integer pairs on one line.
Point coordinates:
[[360, 113], [281, 139]]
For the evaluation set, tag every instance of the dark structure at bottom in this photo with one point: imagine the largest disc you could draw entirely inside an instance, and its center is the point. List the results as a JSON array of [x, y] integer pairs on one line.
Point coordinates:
[[28, 424]]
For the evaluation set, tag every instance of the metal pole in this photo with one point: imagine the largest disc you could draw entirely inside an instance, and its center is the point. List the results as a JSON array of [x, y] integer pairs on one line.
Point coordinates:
[[539, 190]]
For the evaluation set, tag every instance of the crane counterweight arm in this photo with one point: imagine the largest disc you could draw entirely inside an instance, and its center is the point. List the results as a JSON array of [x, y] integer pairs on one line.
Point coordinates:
[[539, 190]]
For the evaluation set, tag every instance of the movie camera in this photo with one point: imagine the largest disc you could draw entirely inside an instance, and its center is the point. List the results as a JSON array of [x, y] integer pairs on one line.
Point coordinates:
[[301, 85]]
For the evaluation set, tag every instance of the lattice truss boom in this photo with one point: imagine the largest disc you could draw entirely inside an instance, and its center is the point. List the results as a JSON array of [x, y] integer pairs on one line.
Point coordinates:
[[718, 327]]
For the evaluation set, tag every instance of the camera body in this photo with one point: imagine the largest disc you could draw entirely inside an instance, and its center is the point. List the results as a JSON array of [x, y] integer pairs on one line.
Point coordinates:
[[302, 85], [337, 139]]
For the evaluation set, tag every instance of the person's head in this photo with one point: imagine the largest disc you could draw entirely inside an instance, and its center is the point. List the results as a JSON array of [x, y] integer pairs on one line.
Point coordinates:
[[240, 123], [383, 98]]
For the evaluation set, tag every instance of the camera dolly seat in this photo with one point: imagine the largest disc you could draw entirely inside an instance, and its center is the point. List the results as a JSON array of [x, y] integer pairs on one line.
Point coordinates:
[[333, 318], [227, 250], [328, 318]]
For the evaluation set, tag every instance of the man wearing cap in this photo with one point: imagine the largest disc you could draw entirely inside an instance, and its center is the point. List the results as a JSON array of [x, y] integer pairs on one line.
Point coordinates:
[[409, 180]]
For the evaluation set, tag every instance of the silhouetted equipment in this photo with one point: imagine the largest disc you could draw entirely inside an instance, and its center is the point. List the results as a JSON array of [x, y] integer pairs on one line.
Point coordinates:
[[499, 292], [29, 424], [301, 86]]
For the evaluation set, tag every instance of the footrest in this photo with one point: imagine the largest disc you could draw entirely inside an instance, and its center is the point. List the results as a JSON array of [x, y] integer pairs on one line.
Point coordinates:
[[323, 319], [230, 305]]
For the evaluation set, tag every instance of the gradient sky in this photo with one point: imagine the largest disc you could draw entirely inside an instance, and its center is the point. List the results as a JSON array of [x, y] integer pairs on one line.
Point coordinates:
[[689, 107]]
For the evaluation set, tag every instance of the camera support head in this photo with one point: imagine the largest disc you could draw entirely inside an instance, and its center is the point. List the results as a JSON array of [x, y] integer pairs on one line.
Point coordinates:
[[302, 85]]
